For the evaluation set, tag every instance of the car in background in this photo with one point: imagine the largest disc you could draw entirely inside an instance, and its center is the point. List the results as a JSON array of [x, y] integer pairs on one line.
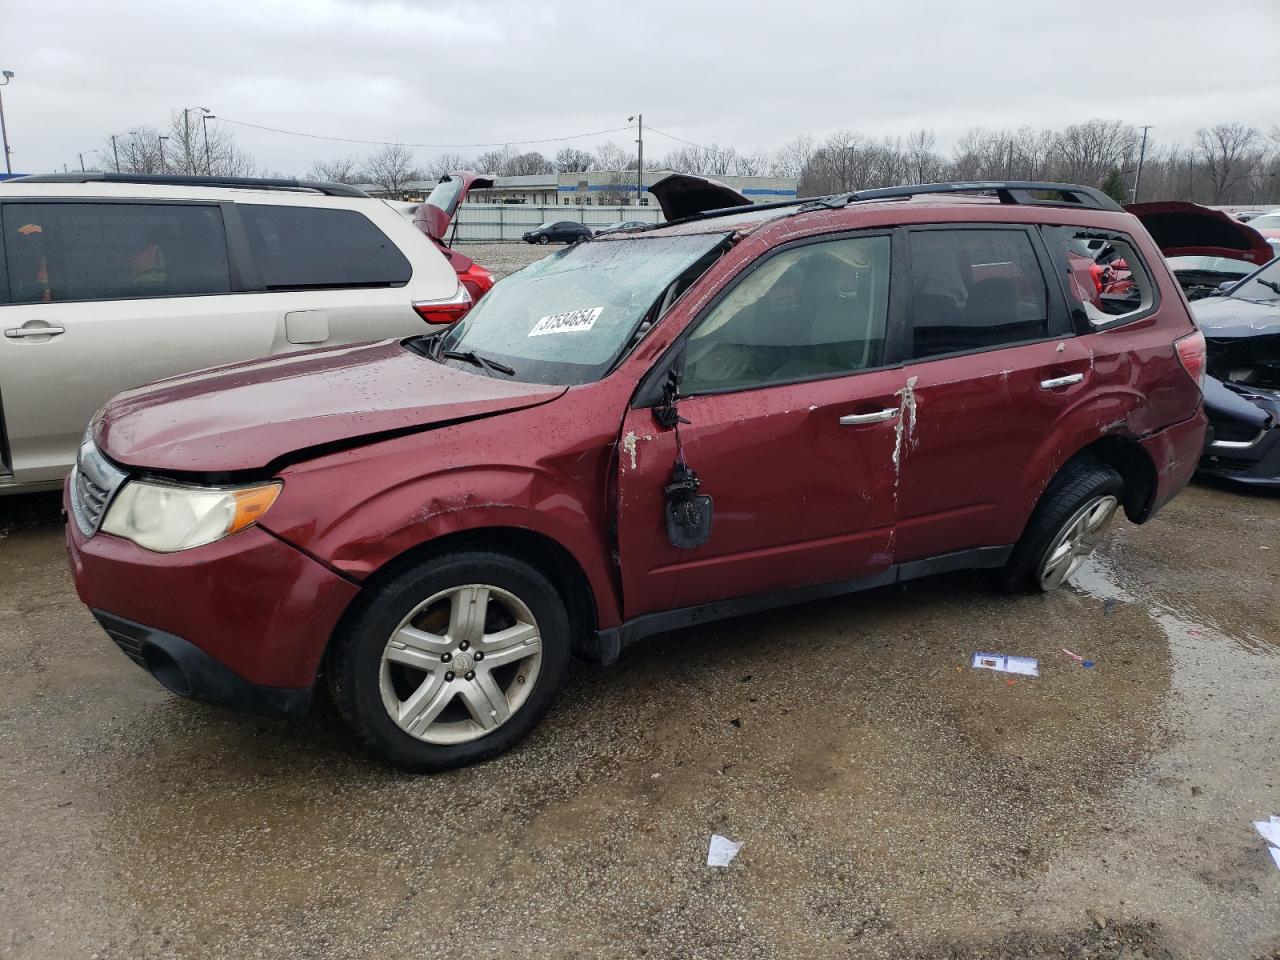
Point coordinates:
[[1269, 226], [557, 231], [620, 225], [746, 408], [110, 281], [433, 217], [1244, 216], [1242, 382]]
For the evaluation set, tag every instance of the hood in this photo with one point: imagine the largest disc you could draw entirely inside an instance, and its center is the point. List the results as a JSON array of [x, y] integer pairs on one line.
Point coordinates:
[[1227, 404], [1182, 229], [684, 195], [435, 213], [248, 415], [1229, 317]]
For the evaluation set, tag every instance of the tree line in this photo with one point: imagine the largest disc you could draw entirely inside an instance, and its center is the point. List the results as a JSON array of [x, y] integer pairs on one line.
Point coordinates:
[[1229, 163]]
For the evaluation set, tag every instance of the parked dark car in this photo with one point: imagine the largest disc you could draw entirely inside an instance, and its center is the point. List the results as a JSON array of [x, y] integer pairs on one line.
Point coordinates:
[[621, 225], [1242, 388], [559, 231], [737, 411]]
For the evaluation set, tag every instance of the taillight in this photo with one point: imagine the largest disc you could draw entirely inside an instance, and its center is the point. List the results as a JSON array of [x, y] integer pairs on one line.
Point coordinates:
[[477, 281], [1191, 355], [444, 311]]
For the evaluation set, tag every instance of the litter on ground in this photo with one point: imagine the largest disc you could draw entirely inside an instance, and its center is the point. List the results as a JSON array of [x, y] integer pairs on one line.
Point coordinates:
[[1027, 666], [1270, 830], [722, 851]]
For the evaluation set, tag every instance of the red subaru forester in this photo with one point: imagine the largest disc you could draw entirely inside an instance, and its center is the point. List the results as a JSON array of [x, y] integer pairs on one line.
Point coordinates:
[[747, 408]]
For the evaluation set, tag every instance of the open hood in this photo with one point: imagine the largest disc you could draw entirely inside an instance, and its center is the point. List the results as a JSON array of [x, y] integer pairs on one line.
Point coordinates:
[[1182, 229], [244, 416], [436, 212], [683, 194]]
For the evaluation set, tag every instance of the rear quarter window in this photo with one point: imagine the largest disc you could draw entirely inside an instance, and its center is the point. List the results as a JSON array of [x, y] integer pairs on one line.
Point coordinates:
[[1105, 279], [301, 248]]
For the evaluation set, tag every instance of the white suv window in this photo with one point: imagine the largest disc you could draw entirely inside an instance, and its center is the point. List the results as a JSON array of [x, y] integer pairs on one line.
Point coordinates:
[[307, 248], [60, 252]]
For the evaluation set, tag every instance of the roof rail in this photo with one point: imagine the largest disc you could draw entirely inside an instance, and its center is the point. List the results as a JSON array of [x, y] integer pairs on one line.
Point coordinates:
[[1008, 191], [186, 180]]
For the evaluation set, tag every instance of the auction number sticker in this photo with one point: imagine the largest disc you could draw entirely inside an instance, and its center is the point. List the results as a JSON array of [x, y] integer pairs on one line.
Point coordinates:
[[570, 322]]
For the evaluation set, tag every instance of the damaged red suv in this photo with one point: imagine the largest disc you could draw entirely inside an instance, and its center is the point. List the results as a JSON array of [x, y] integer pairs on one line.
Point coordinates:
[[745, 409]]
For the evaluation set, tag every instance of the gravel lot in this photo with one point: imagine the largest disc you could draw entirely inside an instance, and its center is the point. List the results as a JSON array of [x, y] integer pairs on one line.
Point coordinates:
[[892, 801], [506, 258]]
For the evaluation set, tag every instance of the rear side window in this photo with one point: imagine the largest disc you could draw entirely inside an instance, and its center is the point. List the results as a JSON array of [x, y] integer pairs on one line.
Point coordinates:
[[62, 252], [305, 248], [808, 313], [1105, 279], [975, 290]]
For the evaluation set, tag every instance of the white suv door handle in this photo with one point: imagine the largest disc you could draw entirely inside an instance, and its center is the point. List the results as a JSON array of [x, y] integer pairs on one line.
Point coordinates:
[[14, 333], [1066, 381], [855, 418]]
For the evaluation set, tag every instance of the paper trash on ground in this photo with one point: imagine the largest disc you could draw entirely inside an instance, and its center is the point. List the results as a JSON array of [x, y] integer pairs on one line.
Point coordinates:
[[721, 851], [1270, 830], [1027, 666], [1275, 854]]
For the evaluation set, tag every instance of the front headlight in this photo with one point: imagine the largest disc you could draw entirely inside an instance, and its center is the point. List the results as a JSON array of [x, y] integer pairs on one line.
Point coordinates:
[[167, 517]]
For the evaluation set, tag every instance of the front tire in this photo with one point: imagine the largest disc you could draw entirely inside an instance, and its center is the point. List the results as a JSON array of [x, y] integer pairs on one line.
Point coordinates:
[[452, 661], [544, 239], [1066, 527]]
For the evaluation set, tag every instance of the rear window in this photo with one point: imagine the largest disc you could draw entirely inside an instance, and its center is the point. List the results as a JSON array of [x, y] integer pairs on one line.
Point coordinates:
[[306, 248], [1106, 280], [62, 252]]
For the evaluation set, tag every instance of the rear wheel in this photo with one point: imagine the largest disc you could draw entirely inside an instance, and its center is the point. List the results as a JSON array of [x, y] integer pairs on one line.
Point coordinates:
[[1067, 525], [452, 662]]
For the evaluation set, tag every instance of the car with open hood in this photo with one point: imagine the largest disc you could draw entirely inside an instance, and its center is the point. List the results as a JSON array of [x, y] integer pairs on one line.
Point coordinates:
[[1206, 248], [748, 407], [434, 216], [1242, 382]]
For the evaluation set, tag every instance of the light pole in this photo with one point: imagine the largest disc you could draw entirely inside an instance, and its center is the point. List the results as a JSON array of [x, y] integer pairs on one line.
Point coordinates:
[[186, 136], [639, 119], [5, 77], [115, 152], [204, 123], [1142, 155], [164, 168]]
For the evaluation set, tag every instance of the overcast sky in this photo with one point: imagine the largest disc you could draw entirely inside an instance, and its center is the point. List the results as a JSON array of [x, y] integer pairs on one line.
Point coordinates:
[[748, 73]]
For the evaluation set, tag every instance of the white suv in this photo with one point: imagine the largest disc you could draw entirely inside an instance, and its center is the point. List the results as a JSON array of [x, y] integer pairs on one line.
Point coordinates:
[[112, 281]]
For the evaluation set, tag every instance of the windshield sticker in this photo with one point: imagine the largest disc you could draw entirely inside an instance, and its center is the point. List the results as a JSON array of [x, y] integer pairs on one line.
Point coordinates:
[[570, 322]]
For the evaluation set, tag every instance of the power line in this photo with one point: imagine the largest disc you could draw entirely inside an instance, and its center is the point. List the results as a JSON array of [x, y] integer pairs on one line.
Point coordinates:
[[672, 136], [393, 143]]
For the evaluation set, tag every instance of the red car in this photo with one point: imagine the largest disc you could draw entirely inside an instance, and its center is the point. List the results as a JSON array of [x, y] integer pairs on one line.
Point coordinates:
[[748, 408], [433, 217]]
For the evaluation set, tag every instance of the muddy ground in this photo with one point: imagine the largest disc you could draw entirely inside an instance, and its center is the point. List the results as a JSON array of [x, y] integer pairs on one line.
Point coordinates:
[[892, 802]]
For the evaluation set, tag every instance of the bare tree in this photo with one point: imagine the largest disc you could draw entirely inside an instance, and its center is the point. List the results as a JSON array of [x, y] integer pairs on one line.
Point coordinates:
[[791, 158], [497, 162], [447, 163], [391, 169], [187, 151], [572, 160], [527, 164], [1087, 151], [1226, 151], [922, 158], [139, 151], [341, 170]]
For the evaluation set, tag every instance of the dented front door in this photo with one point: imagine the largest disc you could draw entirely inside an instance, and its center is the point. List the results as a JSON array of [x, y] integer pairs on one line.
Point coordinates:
[[802, 478]]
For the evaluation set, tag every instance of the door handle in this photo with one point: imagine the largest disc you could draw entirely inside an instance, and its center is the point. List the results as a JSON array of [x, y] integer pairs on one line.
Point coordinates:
[[1066, 381], [854, 419], [15, 333]]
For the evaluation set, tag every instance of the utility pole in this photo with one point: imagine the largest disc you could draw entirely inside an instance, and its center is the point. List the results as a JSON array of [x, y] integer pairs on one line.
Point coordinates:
[[5, 77], [186, 140], [164, 167], [115, 152], [81, 156], [204, 122], [1142, 155], [639, 119]]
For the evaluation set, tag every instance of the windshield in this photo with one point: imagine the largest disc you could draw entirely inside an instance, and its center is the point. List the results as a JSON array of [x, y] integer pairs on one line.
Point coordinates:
[[445, 194], [1263, 285], [1270, 222], [566, 319]]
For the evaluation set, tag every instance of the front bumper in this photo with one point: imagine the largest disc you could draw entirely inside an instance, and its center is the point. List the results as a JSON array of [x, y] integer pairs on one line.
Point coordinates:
[[247, 619], [1254, 464]]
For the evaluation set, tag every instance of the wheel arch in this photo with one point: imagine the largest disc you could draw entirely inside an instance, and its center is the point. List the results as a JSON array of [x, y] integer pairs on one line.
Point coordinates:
[[1129, 459]]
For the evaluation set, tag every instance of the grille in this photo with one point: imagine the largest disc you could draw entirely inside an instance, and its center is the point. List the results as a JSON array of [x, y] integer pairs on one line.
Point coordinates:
[[94, 482]]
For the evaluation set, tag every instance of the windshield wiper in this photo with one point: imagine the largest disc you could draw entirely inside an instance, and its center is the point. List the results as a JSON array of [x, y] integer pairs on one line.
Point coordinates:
[[484, 363], [1270, 284]]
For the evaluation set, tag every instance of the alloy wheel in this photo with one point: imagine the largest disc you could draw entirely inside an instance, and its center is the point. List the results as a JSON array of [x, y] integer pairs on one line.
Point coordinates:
[[1078, 538], [461, 664]]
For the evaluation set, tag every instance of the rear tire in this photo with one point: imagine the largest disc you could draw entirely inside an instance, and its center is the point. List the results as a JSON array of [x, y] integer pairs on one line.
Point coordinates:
[[409, 671], [1065, 527]]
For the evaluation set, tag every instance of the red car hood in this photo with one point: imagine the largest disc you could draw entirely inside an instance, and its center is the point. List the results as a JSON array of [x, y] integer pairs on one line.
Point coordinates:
[[248, 415], [1182, 229]]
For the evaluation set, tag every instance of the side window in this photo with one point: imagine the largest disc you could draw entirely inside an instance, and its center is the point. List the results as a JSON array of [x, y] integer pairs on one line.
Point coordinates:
[[975, 290], [61, 252], [301, 248], [813, 311], [1105, 278]]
